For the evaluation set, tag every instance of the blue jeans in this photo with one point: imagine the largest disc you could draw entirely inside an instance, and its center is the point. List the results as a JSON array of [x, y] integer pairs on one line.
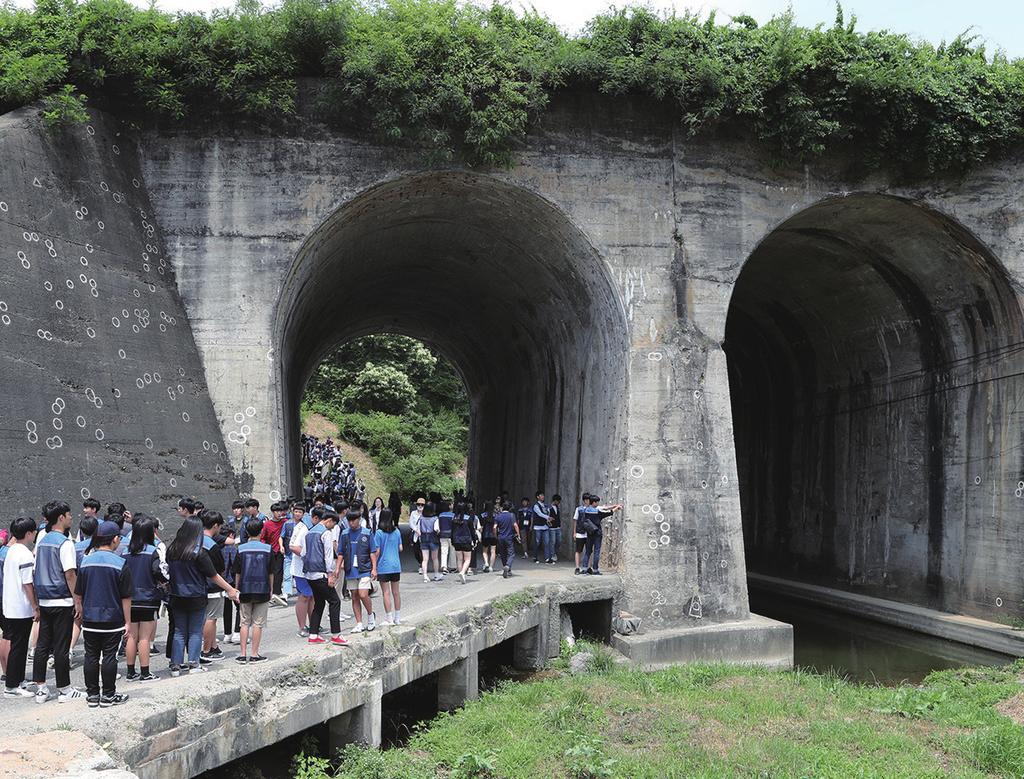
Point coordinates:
[[286, 582], [592, 552], [540, 544], [188, 628], [554, 541]]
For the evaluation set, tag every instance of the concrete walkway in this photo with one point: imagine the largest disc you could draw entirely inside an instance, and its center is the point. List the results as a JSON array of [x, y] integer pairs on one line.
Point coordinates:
[[421, 603]]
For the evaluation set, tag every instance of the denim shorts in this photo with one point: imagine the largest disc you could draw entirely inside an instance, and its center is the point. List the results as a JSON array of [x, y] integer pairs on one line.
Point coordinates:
[[428, 542]]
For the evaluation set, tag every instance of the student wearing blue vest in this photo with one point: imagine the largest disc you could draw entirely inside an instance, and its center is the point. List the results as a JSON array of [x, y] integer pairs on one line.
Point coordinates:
[[213, 543], [389, 566], [357, 561], [317, 552], [149, 572], [190, 568], [253, 572], [594, 518], [508, 535], [488, 536], [103, 593], [86, 530], [54, 581]]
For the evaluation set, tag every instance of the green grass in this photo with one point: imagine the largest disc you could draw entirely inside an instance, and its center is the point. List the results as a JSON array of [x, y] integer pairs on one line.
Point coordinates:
[[714, 721]]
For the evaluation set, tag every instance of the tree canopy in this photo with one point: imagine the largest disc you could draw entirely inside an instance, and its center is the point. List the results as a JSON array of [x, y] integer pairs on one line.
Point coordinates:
[[467, 81]]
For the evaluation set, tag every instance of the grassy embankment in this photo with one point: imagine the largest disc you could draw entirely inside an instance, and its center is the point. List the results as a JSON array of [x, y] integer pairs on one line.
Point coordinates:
[[713, 721]]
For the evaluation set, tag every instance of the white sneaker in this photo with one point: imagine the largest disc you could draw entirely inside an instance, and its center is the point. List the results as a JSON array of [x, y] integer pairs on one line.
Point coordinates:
[[462, 576], [426, 579], [72, 694], [18, 692], [44, 695], [236, 639], [387, 623], [438, 577], [343, 617], [371, 623], [358, 628]]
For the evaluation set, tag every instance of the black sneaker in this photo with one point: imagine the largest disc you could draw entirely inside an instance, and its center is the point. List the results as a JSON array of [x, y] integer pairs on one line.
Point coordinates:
[[204, 660], [588, 572], [175, 671], [596, 572], [242, 659], [577, 572], [154, 648], [93, 701], [505, 573], [214, 654], [132, 675], [149, 676], [106, 701], [257, 659]]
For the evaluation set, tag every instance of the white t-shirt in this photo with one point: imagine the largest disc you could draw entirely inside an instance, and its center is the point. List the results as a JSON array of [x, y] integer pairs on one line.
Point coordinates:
[[68, 562], [328, 544], [18, 569], [298, 536]]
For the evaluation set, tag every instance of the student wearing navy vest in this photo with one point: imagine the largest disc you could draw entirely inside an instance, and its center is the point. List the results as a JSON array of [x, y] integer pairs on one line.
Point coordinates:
[[464, 538], [317, 552], [540, 529], [555, 527], [524, 519], [86, 530], [253, 571], [444, 534], [595, 516], [149, 572], [488, 536], [508, 535], [232, 610], [357, 561], [213, 543], [54, 581], [103, 592], [190, 568]]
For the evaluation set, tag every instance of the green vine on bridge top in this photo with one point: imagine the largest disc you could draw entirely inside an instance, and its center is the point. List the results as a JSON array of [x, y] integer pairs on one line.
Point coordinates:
[[467, 82]]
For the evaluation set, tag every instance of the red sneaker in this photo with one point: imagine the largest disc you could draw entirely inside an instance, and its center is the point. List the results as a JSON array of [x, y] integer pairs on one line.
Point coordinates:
[[339, 641], [315, 640]]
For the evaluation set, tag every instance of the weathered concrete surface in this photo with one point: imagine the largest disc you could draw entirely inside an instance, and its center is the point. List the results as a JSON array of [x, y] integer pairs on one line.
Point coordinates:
[[103, 390], [953, 627], [753, 641], [585, 295], [65, 753]]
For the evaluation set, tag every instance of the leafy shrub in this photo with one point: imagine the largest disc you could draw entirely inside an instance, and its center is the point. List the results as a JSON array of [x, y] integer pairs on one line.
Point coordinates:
[[379, 388], [64, 107], [457, 79]]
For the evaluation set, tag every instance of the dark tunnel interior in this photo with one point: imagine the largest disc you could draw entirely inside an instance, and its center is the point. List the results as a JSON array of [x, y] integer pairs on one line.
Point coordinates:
[[873, 347], [499, 281]]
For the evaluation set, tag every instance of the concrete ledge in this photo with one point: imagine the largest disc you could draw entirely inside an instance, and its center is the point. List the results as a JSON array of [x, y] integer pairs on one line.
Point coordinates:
[[954, 627], [754, 641]]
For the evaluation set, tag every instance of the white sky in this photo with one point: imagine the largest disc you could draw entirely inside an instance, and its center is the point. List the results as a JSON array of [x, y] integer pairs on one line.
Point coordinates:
[[999, 22]]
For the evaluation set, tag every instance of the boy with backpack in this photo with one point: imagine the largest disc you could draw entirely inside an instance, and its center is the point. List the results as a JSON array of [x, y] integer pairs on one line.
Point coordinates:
[[253, 571]]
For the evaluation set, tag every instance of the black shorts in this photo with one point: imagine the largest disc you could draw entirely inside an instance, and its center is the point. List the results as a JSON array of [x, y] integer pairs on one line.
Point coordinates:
[[490, 542], [580, 544], [463, 547], [143, 614], [389, 577]]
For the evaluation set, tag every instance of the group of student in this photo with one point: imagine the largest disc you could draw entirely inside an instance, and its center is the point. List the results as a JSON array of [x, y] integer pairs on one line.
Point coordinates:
[[443, 530], [331, 476], [108, 586]]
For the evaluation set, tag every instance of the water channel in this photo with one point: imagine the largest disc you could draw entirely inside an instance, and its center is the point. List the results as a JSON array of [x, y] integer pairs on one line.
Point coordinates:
[[863, 650]]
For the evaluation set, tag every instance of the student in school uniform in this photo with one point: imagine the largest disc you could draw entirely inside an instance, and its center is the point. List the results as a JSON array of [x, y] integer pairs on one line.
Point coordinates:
[[357, 562], [254, 571], [145, 560], [508, 535], [464, 538], [444, 536], [389, 566], [103, 593], [54, 580], [7, 541], [524, 519], [20, 607], [540, 519], [426, 530], [317, 551]]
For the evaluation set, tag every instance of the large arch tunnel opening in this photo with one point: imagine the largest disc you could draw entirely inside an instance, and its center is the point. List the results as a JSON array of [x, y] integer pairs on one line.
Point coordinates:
[[874, 352], [500, 282]]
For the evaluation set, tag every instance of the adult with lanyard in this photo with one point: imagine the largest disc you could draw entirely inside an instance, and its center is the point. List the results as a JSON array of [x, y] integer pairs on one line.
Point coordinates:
[[190, 568], [103, 592], [54, 579]]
